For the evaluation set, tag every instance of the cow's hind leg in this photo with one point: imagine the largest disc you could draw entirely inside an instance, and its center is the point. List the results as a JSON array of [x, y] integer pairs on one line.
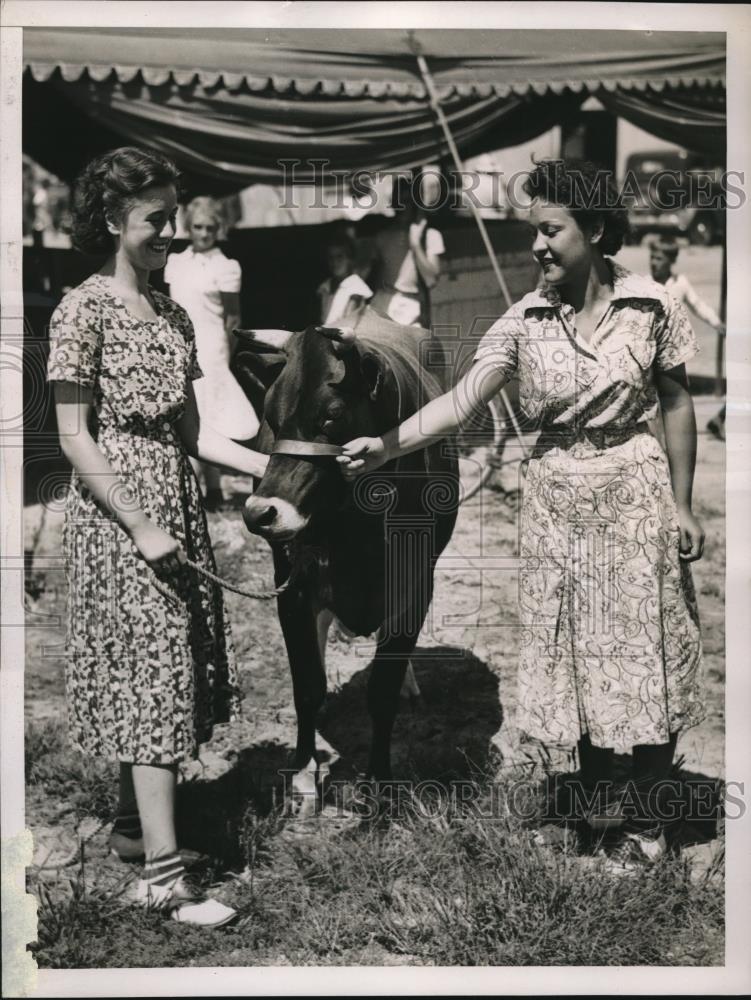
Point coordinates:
[[384, 686]]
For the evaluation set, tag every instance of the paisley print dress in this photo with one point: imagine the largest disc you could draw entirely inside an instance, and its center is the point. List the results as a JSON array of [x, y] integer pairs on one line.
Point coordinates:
[[610, 642], [150, 666]]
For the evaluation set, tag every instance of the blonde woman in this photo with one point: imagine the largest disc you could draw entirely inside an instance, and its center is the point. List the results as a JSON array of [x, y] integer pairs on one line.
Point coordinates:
[[207, 285]]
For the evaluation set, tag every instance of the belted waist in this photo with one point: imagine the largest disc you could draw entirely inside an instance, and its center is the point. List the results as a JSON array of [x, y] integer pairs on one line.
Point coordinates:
[[598, 438], [157, 430]]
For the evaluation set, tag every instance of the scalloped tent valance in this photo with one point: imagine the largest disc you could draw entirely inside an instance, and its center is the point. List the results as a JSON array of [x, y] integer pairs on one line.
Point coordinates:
[[230, 104], [380, 63]]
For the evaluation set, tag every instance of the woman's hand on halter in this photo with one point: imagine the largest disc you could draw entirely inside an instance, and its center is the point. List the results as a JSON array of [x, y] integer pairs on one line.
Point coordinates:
[[363, 454], [160, 550]]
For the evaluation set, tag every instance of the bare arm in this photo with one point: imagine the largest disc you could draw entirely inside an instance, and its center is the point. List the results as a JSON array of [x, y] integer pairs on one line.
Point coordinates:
[[680, 442], [428, 264], [437, 419], [207, 445], [72, 407], [700, 308]]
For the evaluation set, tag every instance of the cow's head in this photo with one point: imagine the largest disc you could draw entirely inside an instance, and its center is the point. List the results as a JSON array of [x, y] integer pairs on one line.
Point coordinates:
[[330, 389]]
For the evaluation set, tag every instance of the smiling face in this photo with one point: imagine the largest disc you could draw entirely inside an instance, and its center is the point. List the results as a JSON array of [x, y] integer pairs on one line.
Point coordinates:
[[204, 230], [563, 250], [147, 228]]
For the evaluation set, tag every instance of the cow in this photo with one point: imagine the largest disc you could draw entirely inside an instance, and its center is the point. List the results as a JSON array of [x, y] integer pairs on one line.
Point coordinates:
[[364, 552]]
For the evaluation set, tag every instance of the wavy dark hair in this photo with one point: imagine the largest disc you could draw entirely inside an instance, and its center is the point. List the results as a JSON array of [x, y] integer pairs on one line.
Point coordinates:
[[107, 188], [588, 191]]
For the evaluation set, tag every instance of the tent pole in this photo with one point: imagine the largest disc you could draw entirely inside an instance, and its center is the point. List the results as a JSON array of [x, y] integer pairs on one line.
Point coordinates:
[[443, 121], [720, 348]]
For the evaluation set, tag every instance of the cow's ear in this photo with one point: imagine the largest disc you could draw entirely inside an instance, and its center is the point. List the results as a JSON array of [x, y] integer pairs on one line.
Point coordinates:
[[371, 367], [256, 372]]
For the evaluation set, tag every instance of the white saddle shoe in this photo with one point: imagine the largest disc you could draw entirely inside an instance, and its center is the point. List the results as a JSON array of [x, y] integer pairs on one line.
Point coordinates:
[[184, 904]]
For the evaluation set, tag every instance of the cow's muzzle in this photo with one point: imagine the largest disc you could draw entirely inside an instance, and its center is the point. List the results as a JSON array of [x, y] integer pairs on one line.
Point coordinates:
[[273, 518]]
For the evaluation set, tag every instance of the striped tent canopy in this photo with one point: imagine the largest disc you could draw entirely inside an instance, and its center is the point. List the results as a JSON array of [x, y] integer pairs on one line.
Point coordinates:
[[230, 105]]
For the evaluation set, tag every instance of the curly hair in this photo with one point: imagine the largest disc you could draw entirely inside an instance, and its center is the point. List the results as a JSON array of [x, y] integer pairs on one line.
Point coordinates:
[[588, 191], [106, 190], [211, 207]]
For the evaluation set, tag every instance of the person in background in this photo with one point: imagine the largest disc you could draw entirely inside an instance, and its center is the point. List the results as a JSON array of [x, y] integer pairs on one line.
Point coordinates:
[[344, 291], [207, 285], [42, 211], [150, 667], [663, 254], [407, 255]]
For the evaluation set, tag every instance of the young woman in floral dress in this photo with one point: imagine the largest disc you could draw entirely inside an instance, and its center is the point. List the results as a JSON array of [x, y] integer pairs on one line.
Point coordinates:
[[150, 666], [610, 643]]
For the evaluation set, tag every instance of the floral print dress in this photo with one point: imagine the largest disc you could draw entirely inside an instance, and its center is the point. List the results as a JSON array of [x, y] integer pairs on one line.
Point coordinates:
[[150, 666], [610, 642]]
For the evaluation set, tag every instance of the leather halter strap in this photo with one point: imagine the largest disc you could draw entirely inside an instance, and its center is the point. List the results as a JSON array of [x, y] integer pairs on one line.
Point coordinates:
[[306, 449]]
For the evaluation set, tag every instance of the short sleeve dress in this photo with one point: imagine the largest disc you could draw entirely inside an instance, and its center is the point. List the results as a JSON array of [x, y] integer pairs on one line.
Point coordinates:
[[197, 281], [150, 666], [336, 299], [610, 640]]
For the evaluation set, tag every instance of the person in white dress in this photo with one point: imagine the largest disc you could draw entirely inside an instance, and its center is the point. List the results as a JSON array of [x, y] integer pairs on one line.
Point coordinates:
[[207, 285], [344, 291]]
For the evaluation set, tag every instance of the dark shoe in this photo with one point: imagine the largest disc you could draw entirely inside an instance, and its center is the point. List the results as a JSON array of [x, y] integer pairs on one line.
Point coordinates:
[[128, 849], [635, 852], [716, 428], [608, 817]]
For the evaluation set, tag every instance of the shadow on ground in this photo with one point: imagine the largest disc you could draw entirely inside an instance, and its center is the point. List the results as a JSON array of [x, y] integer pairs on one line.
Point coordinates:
[[445, 736]]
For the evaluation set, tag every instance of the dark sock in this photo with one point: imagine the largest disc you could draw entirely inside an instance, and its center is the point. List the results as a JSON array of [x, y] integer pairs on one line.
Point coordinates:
[[214, 499], [163, 870], [128, 824], [659, 797]]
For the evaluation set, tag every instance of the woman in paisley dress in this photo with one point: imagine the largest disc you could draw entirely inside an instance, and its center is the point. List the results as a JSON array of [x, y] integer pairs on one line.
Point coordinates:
[[610, 644], [150, 666]]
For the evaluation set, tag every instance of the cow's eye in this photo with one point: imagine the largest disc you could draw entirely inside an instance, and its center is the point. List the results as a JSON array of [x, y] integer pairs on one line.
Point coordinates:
[[332, 415]]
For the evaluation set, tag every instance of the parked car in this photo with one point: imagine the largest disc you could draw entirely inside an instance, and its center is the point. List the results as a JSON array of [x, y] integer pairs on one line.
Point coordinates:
[[668, 192]]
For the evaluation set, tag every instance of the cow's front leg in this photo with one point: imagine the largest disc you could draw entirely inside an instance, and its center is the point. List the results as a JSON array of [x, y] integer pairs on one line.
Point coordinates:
[[305, 639]]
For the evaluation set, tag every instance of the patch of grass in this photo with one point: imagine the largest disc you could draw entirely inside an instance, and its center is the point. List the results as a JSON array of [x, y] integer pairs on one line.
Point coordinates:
[[464, 890], [427, 887], [65, 774]]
